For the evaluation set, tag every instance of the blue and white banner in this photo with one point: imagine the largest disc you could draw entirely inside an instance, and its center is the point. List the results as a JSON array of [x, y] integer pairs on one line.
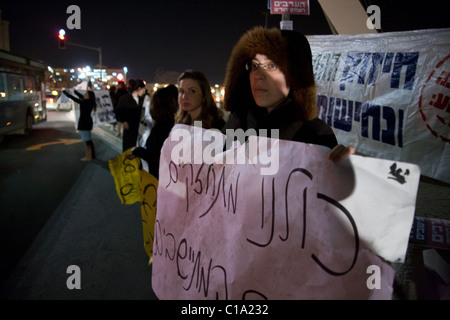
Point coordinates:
[[388, 94]]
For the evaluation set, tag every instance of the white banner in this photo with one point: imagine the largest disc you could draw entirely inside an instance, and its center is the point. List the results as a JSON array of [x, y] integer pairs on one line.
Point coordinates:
[[104, 112], [388, 94], [312, 229]]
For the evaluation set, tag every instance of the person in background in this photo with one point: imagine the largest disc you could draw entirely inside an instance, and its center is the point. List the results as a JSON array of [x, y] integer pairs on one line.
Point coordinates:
[[164, 106], [196, 101], [145, 123], [129, 112], [121, 90], [113, 96], [269, 84], [87, 105]]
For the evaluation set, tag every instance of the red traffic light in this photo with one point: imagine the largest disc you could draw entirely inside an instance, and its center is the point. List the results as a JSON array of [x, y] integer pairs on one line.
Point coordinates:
[[62, 39]]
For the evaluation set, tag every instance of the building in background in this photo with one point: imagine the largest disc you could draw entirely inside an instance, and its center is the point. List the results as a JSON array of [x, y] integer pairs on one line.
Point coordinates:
[[57, 78], [4, 34]]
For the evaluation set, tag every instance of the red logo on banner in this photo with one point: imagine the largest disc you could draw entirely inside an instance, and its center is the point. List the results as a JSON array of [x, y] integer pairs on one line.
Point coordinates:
[[434, 101]]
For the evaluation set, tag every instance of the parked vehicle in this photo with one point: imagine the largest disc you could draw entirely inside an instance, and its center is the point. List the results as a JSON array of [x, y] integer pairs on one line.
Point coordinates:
[[22, 94]]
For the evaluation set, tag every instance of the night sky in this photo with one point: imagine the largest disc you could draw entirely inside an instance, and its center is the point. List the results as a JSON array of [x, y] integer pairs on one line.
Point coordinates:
[[149, 35]]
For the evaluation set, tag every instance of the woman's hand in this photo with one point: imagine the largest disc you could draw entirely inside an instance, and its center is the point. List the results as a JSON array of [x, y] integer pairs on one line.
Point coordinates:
[[340, 152], [125, 125]]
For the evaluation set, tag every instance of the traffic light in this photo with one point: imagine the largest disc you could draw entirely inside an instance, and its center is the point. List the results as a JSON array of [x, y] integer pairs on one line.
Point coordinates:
[[62, 39]]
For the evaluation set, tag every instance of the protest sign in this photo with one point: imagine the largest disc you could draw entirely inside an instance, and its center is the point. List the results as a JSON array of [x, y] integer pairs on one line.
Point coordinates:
[[133, 185], [148, 186], [312, 230], [104, 112], [387, 94], [126, 177]]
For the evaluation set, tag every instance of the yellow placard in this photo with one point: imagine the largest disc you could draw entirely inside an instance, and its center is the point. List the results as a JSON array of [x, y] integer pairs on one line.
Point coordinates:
[[126, 176], [149, 187]]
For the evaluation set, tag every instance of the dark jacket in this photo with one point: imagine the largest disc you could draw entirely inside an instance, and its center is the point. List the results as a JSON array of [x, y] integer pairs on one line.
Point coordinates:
[[86, 106], [128, 110], [218, 124], [313, 131], [152, 151], [119, 93]]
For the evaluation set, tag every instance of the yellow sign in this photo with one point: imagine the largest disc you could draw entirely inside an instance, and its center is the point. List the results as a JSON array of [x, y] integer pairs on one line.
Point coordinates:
[[149, 187], [126, 177], [135, 185]]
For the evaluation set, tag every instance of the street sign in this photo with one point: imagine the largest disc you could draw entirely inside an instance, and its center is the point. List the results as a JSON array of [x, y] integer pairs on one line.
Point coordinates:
[[299, 7]]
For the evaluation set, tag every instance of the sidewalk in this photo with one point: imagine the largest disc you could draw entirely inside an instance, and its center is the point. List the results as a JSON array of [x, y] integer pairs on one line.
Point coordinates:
[[106, 134], [94, 231]]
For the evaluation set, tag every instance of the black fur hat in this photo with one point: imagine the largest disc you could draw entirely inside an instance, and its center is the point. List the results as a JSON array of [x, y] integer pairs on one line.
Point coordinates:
[[290, 50]]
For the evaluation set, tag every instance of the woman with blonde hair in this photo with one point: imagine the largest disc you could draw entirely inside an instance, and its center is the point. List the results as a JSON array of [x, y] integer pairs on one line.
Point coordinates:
[[196, 101]]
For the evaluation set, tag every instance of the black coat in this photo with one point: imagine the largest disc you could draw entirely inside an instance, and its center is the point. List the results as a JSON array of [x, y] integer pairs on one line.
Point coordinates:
[[119, 93], [128, 110], [152, 151], [314, 131], [86, 106]]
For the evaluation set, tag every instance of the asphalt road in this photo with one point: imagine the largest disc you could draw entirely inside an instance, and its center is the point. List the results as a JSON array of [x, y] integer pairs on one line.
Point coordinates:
[[36, 174], [57, 211]]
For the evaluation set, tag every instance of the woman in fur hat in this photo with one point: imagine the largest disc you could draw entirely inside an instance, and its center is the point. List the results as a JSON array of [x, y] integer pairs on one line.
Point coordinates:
[[270, 85]]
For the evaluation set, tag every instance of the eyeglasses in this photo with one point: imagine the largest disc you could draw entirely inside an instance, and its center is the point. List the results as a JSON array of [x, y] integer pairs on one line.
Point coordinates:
[[253, 66]]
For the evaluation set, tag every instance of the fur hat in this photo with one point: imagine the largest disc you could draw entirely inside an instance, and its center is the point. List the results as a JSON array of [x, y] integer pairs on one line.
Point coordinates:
[[290, 50]]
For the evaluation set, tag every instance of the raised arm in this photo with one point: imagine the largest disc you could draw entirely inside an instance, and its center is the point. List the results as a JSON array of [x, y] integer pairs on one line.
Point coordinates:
[[79, 94], [72, 97]]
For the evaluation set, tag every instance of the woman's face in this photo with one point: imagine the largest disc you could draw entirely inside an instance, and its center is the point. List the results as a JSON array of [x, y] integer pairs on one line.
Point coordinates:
[[189, 96], [268, 84]]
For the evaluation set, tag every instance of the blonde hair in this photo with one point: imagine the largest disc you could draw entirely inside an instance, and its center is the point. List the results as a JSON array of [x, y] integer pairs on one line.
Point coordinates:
[[209, 114]]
